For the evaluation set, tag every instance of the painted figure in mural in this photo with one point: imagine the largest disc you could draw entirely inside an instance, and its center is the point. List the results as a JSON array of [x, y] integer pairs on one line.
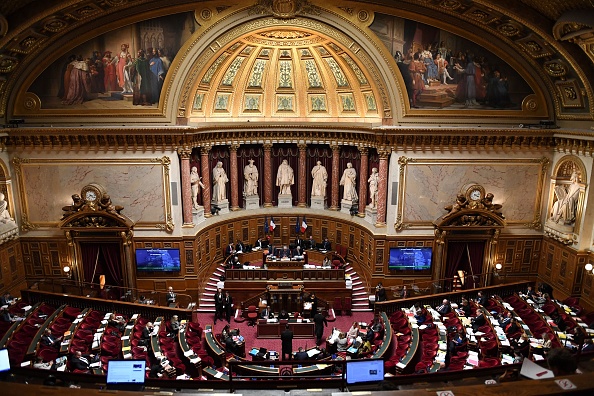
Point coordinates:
[[285, 178], [156, 65], [416, 69], [123, 59], [250, 174], [406, 75], [219, 182], [442, 69], [110, 78], [77, 82], [430, 66], [567, 201], [348, 180], [320, 179], [373, 182], [196, 183], [143, 81]]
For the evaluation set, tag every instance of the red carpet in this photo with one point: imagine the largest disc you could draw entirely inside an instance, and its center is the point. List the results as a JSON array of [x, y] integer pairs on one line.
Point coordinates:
[[249, 333]]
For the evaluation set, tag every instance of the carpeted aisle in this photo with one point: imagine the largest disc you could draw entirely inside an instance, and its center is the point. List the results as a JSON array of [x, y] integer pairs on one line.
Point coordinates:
[[249, 333]]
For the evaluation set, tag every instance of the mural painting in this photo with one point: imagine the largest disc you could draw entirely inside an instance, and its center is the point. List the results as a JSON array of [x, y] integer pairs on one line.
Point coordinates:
[[122, 68]]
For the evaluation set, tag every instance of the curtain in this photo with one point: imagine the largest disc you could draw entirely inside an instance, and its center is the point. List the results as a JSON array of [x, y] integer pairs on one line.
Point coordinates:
[[455, 256], [89, 252], [476, 251], [112, 264]]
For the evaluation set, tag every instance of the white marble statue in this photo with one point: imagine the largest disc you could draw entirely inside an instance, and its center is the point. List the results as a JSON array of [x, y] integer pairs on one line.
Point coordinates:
[[285, 178], [320, 179], [565, 208], [348, 180], [250, 174], [196, 182], [373, 182], [4, 215], [219, 182]]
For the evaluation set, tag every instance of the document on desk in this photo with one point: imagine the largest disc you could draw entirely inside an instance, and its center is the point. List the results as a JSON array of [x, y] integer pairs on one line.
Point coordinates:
[[313, 352], [534, 371]]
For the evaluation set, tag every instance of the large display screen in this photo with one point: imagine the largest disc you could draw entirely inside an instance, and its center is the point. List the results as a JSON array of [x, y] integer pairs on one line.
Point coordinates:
[[367, 370], [125, 374], [163, 260], [414, 258]]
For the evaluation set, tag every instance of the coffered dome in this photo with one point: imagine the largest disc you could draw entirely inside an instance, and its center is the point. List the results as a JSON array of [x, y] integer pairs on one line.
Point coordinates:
[[289, 73]]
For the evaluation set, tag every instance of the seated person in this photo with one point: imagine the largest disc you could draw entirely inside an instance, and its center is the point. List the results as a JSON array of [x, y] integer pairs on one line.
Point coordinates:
[[147, 332], [285, 253], [226, 332], [353, 331], [365, 348], [530, 293], [48, 339], [162, 368], [234, 262], [175, 325], [301, 354], [239, 247], [522, 345], [481, 298], [512, 327], [457, 341], [326, 245], [420, 313], [297, 252], [78, 361], [327, 263], [283, 315], [6, 299], [230, 345], [343, 343], [506, 320], [117, 321], [40, 364], [588, 345], [6, 316], [444, 308], [559, 321], [478, 321], [323, 354], [547, 343], [311, 243], [465, 308]]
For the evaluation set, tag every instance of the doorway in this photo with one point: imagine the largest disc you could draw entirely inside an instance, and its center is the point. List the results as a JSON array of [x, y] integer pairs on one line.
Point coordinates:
[[464, 264], [102, 259]]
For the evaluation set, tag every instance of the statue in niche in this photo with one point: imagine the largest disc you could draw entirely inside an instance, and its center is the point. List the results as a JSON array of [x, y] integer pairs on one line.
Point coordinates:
[[565, 208], [348, 180], [320, 179], [4, 215], [250, 174], [373, 182], [219, 182], [285, 178], [196, 183]]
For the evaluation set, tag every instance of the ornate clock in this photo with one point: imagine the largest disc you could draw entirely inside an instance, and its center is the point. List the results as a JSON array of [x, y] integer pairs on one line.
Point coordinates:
[[473, 192], [92, 193]]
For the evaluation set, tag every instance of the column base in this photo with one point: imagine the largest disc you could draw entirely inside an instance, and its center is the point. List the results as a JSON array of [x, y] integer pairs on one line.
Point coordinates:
[[370, 215], [267, 205], [251, 202], [302, 205], [380, 224], [223, 207], [334, 208], [198, 214], [346, 205], [318, 203], [285, 201]]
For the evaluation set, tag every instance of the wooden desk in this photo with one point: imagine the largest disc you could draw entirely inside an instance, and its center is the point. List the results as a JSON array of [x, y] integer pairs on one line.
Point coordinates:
[[274, 330], [72, 329]]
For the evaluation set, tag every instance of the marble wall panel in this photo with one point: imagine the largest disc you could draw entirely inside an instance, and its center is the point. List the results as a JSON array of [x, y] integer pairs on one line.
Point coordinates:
[[429, 187], [139, 186]]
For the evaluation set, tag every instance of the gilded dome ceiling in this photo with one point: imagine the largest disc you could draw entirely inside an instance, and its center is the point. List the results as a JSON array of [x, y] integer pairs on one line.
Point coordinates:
[[288, 72]]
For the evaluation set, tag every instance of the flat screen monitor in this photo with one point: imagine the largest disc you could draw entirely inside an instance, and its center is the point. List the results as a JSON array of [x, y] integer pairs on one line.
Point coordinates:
[[4, 361], [364, 371], [410, 258], [126, 374], [158, 260]]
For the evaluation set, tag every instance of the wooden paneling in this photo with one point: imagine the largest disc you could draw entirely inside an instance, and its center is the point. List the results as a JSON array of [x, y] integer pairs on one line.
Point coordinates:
[[12, 270], [45, 258], [560, 267]]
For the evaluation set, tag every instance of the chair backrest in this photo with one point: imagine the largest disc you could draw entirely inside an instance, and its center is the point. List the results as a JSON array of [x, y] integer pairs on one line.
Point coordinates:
[[347, 302], [337, 303], [252, 308]]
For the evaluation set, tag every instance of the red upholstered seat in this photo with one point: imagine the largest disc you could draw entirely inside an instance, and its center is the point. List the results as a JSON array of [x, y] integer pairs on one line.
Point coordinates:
[[252, 315], [347, 306], [489, 362], [337, 306]]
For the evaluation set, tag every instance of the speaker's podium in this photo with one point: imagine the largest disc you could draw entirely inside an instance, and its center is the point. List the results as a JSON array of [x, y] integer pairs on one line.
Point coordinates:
[[285, 295]]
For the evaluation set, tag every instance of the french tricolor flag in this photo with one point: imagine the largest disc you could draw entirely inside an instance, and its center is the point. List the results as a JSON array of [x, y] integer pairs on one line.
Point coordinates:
[[272, 226], [303, 225]]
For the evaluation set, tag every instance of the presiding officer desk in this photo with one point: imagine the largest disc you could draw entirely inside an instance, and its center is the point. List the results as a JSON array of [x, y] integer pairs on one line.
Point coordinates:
[[272, 328]]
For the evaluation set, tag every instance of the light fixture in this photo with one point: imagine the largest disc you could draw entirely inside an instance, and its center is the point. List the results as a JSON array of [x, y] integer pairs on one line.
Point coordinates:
[[588, 267], [67, 271], [498, 266]]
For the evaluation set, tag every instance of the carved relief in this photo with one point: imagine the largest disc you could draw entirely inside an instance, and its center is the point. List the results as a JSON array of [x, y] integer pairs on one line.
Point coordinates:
[[570, 93]]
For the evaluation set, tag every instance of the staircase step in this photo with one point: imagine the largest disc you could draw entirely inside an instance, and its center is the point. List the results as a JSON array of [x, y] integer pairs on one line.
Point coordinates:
[[362, 310]]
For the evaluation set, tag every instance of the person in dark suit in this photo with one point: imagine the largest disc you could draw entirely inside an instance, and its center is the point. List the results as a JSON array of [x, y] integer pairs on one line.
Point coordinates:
[[78, 361], [301, 354], [481, 299], [380, 293], [507, 320], [175, 326], [299, 242], [444, 308], [47, 339], [6, 299], [218, 300], [478, 321], [171, 296], [227, 306], [145, 337], [285, 252], [404, 293], [511, 328], [283, 315], [287, 343], [230, 249], [326, 245], [239, 247], [465, 308], [319, 322], [530, 293], [312, 242], [117, 322]]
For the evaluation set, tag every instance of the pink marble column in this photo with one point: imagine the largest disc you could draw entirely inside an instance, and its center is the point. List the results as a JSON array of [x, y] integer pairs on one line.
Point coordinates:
[[363, 180], [302, 176], [334, 204], [186, 184], [234, 178], [382, 187], [267, 175], [206, 180]]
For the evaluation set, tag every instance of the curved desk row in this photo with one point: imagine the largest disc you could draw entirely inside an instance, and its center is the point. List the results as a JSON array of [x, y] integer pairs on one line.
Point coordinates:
[[189, 354], [65, 346], [37, 338], [16, 325], [379, 353]]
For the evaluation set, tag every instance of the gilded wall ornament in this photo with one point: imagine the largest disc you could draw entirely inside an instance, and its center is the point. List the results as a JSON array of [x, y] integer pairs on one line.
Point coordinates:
[[555, 68]]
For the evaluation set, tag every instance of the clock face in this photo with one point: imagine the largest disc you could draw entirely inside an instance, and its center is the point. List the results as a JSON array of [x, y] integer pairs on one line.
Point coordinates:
[[475, 195], [90, 195]]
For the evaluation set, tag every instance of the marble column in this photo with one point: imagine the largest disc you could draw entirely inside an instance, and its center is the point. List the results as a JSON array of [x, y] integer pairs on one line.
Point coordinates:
[[302, 172], [186, 185], [234, 178], [206, 179], [382, 188], [335, 177], [267, 175], [363, 180]]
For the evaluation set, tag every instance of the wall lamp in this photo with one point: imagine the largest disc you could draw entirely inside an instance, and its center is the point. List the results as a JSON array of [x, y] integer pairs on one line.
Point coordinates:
[[498, 268], [67, 270], [588, 267]]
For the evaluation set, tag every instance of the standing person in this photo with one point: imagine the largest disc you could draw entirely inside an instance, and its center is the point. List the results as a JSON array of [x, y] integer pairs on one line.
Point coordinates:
[[219, 182], [348, 180], [156, 66], [227, 306], [287, 342], [218, 299], [285, 178], [250, 174], [373, 182], [79, 83], [171, 296], [122, 60], [175, 326], [312, 242], [320, 178], [110, 78], [442, 69], [380, 293], [320, 322], [196, 182], [143, 89], [416, 69]]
